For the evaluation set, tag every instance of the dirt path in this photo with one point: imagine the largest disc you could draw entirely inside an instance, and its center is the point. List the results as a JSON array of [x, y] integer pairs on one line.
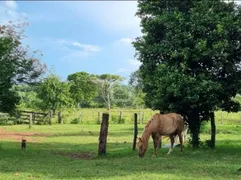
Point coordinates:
[[17, 136]]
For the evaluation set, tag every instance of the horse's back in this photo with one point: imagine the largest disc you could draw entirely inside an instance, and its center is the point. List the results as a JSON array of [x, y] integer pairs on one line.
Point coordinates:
[[168, 123]]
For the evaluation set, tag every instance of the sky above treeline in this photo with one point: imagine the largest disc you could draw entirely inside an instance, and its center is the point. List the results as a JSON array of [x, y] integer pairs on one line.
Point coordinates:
[[91, 36], [76, 36]]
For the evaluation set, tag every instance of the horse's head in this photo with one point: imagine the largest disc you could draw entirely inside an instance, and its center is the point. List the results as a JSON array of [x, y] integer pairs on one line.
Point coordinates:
[[141, 147]]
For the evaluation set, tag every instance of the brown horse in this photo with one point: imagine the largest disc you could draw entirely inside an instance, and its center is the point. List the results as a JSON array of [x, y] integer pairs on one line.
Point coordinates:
[[171, 124]]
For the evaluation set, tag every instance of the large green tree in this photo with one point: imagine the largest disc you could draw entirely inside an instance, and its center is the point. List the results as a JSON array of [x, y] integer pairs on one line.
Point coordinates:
[[82, 88], [54, 94], [190, 53], [17, 65]]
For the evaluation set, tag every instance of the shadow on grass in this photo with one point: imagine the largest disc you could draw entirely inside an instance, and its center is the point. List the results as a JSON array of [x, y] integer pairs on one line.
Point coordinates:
[[44, 160]]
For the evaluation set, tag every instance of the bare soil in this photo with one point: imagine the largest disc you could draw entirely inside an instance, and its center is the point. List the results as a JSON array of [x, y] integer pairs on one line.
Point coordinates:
[[17, 136], [80, 155]]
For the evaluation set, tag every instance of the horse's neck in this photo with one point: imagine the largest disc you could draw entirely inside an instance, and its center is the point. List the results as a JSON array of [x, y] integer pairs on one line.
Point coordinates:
[[146, 135]]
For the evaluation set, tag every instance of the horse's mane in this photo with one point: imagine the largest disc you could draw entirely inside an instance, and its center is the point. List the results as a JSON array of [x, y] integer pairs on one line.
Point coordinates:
[[148, 123]]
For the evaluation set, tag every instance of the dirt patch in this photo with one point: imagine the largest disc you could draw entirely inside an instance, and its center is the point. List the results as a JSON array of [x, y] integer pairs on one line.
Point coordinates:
[[17, 136], [80, 155]]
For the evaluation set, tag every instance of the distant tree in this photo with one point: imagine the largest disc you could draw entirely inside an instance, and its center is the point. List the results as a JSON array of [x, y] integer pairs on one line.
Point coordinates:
[[190, 53], [136, 82], [54, 94], [28, 96], [123, 96], [105, 84], [82, 88], [17, 66]]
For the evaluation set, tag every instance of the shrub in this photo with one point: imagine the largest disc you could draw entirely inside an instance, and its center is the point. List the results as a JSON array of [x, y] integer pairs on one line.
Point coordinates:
[[115, 119], [75, 121]]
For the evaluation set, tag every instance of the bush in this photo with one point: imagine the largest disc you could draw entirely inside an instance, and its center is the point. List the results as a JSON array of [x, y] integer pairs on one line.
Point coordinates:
[[75, 121], [115, 119]]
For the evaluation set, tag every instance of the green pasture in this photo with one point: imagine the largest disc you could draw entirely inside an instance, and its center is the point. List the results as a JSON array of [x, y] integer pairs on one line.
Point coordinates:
[[69, 151]]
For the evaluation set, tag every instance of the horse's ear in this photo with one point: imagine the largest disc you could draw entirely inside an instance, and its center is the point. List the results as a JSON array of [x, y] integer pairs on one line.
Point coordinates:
[[139, 139]]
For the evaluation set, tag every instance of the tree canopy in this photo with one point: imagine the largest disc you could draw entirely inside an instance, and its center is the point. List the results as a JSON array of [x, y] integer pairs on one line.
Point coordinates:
[[18, 65], [105, 84], [82, 88], [190, 53], [54, 93]]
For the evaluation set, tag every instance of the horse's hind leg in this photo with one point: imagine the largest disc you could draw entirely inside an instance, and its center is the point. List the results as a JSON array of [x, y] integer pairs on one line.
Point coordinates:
[[181, 136], [172, 142]]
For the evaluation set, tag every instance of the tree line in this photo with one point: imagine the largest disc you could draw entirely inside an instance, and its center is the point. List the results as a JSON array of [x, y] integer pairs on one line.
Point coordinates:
[[80, 90]]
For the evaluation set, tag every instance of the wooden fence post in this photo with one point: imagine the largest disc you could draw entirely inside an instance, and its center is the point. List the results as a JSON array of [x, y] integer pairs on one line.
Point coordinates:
[[142, 118], [50, 117], [240, 117], [120, 118], [98, 117], [33, 117], [103, 134], [80, 117], [30, 120], [135, 131], [60, 117]]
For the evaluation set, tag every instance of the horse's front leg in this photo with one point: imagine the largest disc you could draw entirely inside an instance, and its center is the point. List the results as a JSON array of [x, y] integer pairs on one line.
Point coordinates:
[[155, 143], [172, 142]]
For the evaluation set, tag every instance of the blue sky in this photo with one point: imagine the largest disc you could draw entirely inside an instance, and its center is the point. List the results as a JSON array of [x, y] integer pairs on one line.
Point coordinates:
[[78, 36]]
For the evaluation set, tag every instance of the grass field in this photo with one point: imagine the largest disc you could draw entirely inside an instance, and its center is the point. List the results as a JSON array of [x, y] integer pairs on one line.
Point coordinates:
[[69, 151]]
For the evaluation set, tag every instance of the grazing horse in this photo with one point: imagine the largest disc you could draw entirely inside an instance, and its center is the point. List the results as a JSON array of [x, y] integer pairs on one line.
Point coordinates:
[[171, 124]]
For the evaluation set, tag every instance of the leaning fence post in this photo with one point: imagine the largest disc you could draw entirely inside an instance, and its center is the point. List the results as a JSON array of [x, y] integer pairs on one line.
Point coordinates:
[[240, 117], [50, 117], [103, 134], [142, 118], [135, 131], [98, 117], [120, 118], [33, 117], [60, 117], [30, 120]]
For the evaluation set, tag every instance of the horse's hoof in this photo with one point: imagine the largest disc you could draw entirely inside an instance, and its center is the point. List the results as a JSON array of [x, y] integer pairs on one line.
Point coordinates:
[[154, 155]]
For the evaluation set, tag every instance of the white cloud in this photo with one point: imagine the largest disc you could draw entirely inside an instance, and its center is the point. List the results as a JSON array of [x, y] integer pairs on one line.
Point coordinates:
[[71, 50], [74, 45], [125, 41], [8, 12], [72, 56], [131, 66], [11, 4], [87, 48], [135, 63], [109, 15]]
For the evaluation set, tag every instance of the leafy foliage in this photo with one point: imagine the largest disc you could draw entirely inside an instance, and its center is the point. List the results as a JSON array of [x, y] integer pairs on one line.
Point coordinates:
[[16, 65], [105, 84], [190, 53], [54, 93], [82, 88], [28, 96]]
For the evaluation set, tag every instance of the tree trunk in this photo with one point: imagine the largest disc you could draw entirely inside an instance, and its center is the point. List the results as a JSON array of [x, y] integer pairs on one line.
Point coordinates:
[[60, 118], [194, 125], [213, 130], [54, 112]]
